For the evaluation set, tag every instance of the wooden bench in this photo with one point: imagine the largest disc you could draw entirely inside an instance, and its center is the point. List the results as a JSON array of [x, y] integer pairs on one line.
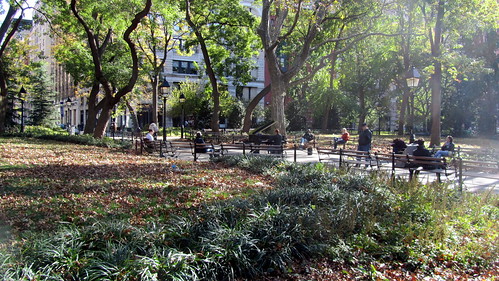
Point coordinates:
[[346, 157], [418, 164], [414, 164], [153, 147], [476, 169]]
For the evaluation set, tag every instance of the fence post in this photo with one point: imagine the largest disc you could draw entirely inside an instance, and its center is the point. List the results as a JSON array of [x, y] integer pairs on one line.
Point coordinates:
[[341, 155], [460, 174], [294, 148]]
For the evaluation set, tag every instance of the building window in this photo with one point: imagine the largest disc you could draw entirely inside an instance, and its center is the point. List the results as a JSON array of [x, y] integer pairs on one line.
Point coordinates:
[[185, 67]]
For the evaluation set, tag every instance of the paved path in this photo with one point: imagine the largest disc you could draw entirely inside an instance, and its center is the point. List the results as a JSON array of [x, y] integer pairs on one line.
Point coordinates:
[[479, 185]]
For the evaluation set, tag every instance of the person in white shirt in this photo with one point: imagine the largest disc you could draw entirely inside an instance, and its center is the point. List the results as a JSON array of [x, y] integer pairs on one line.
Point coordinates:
[[155, 130], [149, 135]]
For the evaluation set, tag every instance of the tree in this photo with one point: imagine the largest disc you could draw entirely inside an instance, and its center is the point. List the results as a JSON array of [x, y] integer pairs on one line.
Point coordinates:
[[107, 27], [155, 41], [442, 19], [42, 98], [223, 30], [8, 29], [297, 32]]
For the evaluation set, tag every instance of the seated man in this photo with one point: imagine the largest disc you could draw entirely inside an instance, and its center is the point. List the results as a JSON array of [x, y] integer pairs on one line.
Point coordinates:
[[149, 141], [422, 151], [306, 138]]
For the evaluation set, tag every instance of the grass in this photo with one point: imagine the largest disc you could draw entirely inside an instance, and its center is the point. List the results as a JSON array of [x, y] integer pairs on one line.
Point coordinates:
[[88, 213]]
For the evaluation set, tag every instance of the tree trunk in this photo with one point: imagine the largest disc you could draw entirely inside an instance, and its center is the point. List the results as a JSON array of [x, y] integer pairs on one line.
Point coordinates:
[[154, 85], [278, 114], [215, 116], [103, 120], [135, 120], [3, 101], [251, 107], [403, 106], [362, 105], [436, 77], [436, 101], [92, 109]]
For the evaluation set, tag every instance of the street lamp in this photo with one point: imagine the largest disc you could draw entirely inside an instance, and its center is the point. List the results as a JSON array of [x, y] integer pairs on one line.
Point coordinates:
[[68, 116], [181, 99], [412, 78], [165, 91], [22, 92]]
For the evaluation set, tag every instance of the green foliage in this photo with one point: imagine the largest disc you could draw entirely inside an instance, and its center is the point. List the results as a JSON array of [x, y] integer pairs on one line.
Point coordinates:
[[312, 212], [61, 135]]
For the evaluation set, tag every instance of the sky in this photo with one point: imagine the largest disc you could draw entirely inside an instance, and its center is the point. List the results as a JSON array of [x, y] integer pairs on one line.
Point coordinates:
[[5, 7]]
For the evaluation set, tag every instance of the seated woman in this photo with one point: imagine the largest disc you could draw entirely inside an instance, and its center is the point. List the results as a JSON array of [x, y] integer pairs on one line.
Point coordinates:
[[345, 136], [446, 149]]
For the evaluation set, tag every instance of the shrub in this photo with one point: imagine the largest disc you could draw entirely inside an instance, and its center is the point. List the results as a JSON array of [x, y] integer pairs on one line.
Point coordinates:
[[311, 213], [60, 135]]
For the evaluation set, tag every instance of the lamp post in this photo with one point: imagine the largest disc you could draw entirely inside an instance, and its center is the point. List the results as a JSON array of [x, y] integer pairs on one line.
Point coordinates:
[[22, 92], [181, 99], [165, 90], [412, 78], [68, 116]]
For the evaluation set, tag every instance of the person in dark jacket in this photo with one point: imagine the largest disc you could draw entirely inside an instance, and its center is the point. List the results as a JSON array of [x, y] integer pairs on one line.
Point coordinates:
[[447, 149], [398, 146], [306, 138], [198, 141], [421, 150], [365, 138]]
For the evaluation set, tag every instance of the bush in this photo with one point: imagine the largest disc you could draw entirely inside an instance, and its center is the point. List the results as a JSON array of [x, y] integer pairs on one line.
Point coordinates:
[[311, 213], [61, 135]]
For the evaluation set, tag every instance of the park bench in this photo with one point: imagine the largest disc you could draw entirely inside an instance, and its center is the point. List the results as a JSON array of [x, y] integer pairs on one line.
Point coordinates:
[[438, 166], [153, 147], [344, 157], [476, 169], [414, 164]]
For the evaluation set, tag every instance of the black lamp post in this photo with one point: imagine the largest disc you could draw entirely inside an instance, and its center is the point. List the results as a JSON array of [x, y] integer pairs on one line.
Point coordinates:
[[181, 99], [22, 92], [412, 78], [165, 91], [68, 116]]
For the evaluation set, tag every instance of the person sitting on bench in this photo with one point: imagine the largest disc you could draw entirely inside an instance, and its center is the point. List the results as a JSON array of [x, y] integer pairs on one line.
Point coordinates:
[[198, 141], [446, 149], [345, 136], [149, 141], [306, 138]]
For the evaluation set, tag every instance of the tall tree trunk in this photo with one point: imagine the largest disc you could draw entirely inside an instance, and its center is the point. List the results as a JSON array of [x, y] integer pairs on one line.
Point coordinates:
[[93, 109], [155, 86], [403, 107], [362, 105], [5, 38], [436, 77], [251, 107], [3, 101], [277, 114], [135, 119], [103, 120]]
